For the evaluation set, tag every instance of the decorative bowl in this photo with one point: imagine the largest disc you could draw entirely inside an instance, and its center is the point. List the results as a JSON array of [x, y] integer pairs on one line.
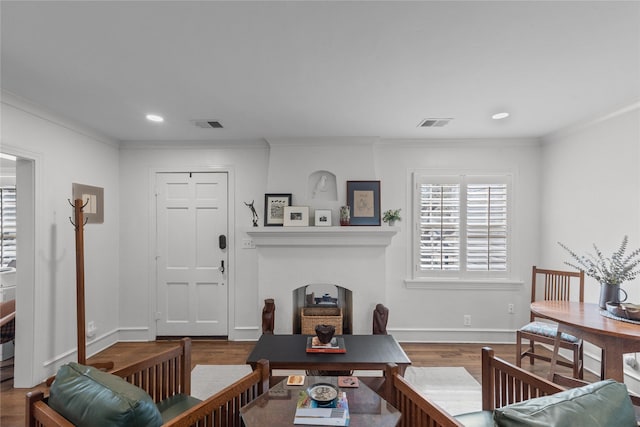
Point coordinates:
[[325, 333], [324, 394], [624, 310]]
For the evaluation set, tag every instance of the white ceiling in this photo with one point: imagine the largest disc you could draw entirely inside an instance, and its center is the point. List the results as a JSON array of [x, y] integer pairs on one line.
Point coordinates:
[[302, 69]]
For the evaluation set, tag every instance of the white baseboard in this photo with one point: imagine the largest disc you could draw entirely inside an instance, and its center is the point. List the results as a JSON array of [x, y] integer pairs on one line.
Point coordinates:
[[464, 335]]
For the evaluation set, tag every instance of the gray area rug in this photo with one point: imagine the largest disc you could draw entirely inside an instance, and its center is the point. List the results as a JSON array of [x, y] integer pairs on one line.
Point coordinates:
[[452, 388], [207, 380]]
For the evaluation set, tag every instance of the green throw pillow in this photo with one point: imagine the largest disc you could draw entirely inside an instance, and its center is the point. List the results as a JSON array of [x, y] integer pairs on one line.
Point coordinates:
[[87, 396], [601, 404]]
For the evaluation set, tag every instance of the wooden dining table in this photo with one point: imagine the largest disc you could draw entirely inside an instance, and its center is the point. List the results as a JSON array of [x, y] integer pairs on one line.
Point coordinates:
[[583, 320]]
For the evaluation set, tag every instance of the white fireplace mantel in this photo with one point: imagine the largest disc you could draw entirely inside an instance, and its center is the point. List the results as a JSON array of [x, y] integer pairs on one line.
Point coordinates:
[[323, 236]]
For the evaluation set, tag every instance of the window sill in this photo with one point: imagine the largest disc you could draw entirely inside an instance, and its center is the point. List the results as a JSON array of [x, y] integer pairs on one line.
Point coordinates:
[[465, 284]]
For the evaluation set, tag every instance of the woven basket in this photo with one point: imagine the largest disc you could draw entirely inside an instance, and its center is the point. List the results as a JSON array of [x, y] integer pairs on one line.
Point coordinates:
[[312, 316]]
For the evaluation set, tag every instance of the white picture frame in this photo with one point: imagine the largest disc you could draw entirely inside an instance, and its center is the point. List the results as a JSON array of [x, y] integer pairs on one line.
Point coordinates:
[[296, 216], [323, 218]]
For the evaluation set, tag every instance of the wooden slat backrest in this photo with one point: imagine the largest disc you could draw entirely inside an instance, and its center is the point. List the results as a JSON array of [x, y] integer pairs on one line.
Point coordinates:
[[223, 409], [163, 375], [504, 383], [557, 285]]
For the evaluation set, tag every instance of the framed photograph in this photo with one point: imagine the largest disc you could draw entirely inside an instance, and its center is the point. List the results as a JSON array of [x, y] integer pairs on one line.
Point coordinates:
[[93, 201], [323, 218], [296, 216], [274, 205], [363, 199]]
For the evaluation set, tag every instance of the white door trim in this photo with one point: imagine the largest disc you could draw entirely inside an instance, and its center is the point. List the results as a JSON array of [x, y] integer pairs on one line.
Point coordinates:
[[27, 370], [151, 268]]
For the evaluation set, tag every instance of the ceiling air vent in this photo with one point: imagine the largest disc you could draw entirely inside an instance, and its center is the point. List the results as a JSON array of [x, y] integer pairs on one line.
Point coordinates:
[[207, 124], [434, 123]]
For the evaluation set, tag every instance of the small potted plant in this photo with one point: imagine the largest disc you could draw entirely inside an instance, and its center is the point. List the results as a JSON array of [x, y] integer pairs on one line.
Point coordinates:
[[610, 272], [391, 216]]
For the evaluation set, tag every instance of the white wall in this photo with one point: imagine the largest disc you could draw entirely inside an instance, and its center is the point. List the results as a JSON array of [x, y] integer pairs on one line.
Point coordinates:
[[590, 184], [46, 316], [434, 311], [416, 314], [247, 165]]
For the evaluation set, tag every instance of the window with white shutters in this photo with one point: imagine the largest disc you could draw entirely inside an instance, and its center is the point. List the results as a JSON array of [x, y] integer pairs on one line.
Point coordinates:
[[462, 226]]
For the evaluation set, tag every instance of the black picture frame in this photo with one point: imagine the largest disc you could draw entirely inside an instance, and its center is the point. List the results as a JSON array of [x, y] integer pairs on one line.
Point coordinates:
[[363, 199], [274, 204]]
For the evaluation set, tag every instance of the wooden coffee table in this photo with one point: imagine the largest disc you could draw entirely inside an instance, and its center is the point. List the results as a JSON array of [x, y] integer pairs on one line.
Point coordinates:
[[364, 352]]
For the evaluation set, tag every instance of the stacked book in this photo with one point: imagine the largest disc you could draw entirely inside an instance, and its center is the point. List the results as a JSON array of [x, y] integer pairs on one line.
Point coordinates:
[[336, 345], [309, 413]]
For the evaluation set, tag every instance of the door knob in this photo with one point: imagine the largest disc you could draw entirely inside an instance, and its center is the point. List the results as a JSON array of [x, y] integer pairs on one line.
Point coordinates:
[[222, 266]]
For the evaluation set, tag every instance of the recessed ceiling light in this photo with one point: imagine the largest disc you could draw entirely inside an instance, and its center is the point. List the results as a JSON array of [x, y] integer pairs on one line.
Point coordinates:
[[155, 118], [500, 116]]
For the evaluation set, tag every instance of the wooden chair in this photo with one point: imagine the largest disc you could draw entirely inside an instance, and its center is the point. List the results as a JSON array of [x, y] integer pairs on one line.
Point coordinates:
[[558, 286], [7, 330]]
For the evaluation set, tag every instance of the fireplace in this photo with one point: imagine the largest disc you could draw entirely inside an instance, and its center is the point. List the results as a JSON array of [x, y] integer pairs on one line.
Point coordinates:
[[353, 257], [323, 296]]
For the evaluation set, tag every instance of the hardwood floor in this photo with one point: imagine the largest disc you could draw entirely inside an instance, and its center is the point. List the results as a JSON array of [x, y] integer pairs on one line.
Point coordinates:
[[12, 401]]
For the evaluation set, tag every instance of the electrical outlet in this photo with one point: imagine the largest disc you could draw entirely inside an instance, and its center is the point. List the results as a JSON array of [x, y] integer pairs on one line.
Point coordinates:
[[467, 320], [91, 329], [511, 309], [248, 244]]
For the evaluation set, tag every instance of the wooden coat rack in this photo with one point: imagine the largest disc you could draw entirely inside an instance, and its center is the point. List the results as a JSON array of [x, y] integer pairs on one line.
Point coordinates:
[[79, 222]]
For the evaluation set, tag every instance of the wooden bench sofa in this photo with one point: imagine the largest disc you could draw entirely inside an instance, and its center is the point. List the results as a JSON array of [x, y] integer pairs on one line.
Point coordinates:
[[502, 384], [166, 377]]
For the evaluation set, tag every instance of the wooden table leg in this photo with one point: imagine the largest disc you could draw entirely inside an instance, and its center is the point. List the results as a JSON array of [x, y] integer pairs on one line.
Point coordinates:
[[554, 358], [613, 360]]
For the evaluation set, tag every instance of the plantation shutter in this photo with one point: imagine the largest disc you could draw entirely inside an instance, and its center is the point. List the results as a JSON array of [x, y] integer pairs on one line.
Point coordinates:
[[7, 225], [462, 226], [439, 226], [486, 227]]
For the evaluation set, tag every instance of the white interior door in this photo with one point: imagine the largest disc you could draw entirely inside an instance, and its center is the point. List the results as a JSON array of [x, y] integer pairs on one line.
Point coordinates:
[[191, 210]]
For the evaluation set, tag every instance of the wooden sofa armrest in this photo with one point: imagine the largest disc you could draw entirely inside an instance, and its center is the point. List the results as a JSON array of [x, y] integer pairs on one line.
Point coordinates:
[[39, 414], [223, 408], [417, 410]]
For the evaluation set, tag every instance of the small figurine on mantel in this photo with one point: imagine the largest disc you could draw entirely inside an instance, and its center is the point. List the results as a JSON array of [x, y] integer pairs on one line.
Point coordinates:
[[268, 316], [380, 318], [254, 214]]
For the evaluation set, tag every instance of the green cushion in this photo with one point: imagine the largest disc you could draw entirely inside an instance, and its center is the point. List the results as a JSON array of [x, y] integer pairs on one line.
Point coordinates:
[[87, 396], [601, 404], [176, 405], [476, 419]]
